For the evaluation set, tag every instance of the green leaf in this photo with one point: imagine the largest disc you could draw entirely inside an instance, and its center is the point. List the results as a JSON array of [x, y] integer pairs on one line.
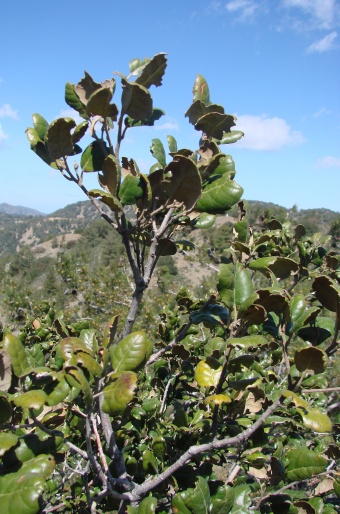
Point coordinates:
[[157, 150], [7, 441], [172, 144], [21, 491], [225, 285], [5, 371], [184, 186], [198, 499], [219, 196], [150, 464], [33, 399], [60, 391], [316, 420], [217, 399], [223, 500], [204, 220], [5, 409], [282, 267], [73, 100], [80, 131], [243, 285], [208, 372], [13, 346], [119, 393], [311, 359], [230, 137], [39, 147], [40, 125], [147, 122], [148, 505], [107, 198], [99, 104], [153, 72], [242, 500], [214, 124], [131, 352], [201, 90], [246, 342], [199, 109], [59, 139], [76, 378], [131, 190], [93, 157], [303, 464], [136, 101], [136, 65]]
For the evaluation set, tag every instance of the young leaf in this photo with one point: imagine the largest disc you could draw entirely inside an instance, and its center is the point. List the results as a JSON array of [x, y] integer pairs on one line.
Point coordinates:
[[40, 125], [131, 352], [118, 394], [208, 372], [201, 90], [157, 150]]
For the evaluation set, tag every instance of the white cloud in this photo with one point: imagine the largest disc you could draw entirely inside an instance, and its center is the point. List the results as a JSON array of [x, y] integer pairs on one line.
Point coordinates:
[[170, 125], [324, 44], [244, 8], [321, 112], [322, 13], [263, 133], [328, 162], [6, 111], [3, 137]]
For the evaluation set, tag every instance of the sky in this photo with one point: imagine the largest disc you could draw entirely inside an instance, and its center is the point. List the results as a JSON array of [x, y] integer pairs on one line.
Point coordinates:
[[274, 64]]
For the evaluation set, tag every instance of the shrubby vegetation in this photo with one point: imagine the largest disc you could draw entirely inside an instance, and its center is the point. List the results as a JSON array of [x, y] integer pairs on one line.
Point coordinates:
[[219, 402]]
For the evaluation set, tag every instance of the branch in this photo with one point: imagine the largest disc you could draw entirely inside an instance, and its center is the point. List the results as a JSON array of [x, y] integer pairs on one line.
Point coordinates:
[[148, 485]]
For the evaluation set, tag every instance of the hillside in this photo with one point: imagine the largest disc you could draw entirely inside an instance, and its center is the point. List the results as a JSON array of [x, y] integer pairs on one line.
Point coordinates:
[[74, 258]]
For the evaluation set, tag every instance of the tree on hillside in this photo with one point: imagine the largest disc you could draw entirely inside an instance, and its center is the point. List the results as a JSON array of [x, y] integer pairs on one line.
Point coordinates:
[[225, 407]]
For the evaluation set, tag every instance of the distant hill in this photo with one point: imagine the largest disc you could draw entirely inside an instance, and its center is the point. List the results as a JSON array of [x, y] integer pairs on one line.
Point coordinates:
[[18, 210], [21, 226]]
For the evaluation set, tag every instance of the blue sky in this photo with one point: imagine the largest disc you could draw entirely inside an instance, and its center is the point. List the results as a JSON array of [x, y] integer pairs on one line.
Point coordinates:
[[272, 63]]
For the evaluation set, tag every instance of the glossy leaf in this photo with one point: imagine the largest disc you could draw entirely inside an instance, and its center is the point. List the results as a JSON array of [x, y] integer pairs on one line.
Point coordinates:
[[20, 491], [252, 341], [201, 90], [225, 285], [76, 378], [223, 500], [157, 150], [153, 72], [316, 420], [131, 190], [219, 196], [172, 144], [13, 346], [40, 125], [231, 137], [93, 157], [243, 285], [204, 220], [60, 391], [33, 399], [303, 464], [59, 139], [107, 198], [136, 65], [5, 409], [73, 100], [69, 346], [150, 464], [7, 441], [311, 359], [208, 372], [5, 371], [217, 399], [282, 267], [119, 393], [39, 147], [148, 505], [131, 352]]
